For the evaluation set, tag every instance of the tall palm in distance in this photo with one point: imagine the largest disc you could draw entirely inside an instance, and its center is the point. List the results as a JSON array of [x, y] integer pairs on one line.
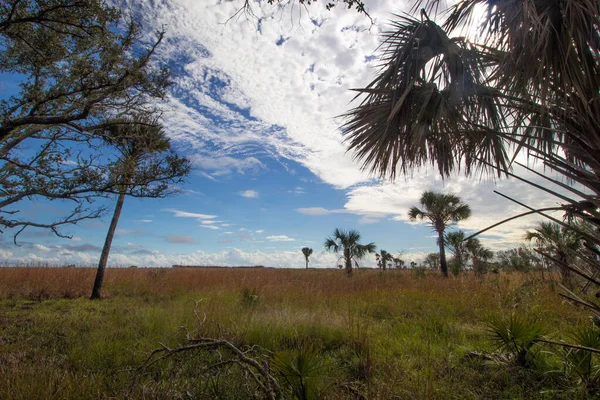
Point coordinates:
[[440, 210], [384, 259], [307, 253], [347, 244]]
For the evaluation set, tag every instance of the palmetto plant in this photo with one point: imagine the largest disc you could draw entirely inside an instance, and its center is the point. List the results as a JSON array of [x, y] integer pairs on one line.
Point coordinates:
[[301, 371], [440, 210], [307, 253], [346, 243], [515, 337], [583, 363]]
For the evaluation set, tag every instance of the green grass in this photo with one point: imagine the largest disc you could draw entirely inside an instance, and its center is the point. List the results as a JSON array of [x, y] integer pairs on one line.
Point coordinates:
[[383, 335]]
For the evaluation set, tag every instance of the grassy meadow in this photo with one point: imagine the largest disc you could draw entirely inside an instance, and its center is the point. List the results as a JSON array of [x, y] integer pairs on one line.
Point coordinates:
[[376, 335]]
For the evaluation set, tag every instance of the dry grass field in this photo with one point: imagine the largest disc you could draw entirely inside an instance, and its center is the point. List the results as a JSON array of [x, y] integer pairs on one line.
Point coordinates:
[[377, 335]]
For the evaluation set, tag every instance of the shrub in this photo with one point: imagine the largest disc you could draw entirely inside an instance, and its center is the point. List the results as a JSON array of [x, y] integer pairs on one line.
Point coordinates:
[[250, 298], [515, 337], [301, 371]]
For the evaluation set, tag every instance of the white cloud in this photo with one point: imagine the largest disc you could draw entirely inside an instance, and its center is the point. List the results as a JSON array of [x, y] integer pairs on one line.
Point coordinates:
[[146, 221], [314, 211], [280, 238], [185, 214], [250, 194], [288, 113], [259, 231], [220, 166]]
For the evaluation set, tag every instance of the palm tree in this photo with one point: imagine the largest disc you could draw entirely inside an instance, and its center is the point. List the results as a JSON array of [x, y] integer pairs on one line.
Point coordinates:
[[383, 258], [346, 243], [464, 249], [146, 158], [559, 242], [307, 253], [456, 244], [441, 210], [399, 263], [531, 86]]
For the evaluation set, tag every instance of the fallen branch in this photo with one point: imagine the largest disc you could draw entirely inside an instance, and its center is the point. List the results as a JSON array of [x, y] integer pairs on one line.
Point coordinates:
[[259, 371]]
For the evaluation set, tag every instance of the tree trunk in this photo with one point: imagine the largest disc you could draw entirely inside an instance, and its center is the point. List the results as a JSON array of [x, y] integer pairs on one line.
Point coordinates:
[[96, 291], [306, 262], [348, 266], [443, 264]]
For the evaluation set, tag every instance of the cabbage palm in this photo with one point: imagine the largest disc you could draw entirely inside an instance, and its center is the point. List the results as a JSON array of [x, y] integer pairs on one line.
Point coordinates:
[[307, 253], [383, 258], [456, 244], [559, 242], [464, 249], [441, 210], [532, 83], [529, 86], [346, 243]]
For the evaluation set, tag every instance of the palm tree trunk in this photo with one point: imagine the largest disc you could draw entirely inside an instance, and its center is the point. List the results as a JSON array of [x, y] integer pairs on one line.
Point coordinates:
[[306, 262], [443, 264], [96, 291], [348, 266]]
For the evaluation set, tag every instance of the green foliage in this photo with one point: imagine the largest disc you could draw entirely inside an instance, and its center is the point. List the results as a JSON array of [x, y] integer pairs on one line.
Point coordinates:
[[515, 337], [249, 297], [440, 210], [559, 242], [432, 261], [481, 267], [378, 336], [582, 363], [519, 260], [346, 243], [420, 270], [455, 267], [384, 259], [307, 253], [78, 63], [302, 371]]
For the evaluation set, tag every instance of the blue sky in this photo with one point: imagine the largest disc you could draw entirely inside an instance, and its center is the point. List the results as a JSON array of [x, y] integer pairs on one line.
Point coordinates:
[[254, 107]]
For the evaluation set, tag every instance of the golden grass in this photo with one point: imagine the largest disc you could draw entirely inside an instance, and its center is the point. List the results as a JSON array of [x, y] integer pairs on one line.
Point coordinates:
[[391, 334], [71, 282]]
